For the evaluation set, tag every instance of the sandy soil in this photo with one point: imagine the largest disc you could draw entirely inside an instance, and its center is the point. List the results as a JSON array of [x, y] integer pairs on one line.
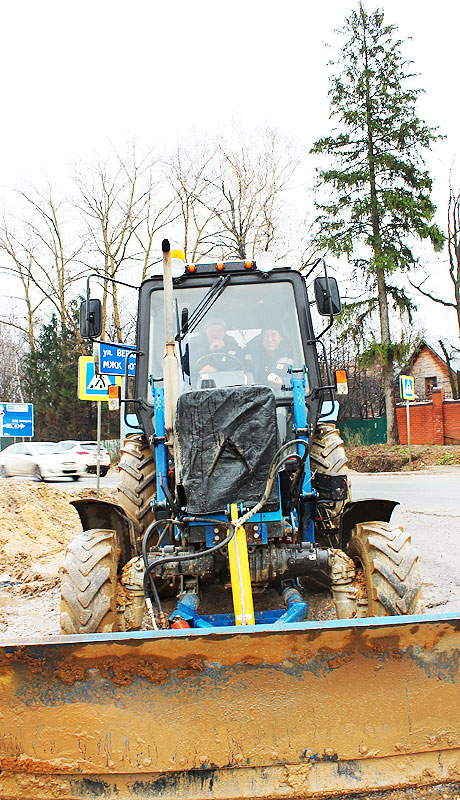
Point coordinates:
[[36, 524]]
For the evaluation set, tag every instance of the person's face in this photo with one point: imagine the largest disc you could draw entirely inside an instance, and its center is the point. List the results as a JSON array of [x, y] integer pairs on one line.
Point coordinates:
[[215, 333], [271, 339]]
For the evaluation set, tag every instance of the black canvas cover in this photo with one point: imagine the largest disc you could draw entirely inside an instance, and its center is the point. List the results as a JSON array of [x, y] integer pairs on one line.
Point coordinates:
[[225, 442]]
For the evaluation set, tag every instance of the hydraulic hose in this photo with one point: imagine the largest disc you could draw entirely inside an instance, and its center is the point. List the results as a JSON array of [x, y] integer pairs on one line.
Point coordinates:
[[276, 465]]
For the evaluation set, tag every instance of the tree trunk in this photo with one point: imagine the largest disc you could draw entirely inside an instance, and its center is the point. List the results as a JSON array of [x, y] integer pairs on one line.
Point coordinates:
[[386, 357]]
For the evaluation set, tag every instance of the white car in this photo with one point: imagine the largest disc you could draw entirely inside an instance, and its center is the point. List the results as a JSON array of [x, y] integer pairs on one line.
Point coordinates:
[[40, 460], [85, 453]]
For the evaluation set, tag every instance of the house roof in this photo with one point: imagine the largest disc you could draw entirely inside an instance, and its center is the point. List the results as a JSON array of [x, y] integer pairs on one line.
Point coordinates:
[[436, 352]]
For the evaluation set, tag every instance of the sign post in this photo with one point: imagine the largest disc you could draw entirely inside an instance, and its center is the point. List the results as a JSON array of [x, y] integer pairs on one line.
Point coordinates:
[[407, 391]]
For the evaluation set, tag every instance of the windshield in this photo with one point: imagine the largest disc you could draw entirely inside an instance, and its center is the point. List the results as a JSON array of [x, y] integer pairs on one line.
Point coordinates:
[[250, 335]]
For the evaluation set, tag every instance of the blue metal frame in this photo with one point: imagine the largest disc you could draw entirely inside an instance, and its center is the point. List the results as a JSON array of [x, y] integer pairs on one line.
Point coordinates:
[[186, 609], [301, 423], [161, 454]]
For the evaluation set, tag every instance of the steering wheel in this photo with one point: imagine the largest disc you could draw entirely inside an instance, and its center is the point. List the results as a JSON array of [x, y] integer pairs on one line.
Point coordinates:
[[217, 354]]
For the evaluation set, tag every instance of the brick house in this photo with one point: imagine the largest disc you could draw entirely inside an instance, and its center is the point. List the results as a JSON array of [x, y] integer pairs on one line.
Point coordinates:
[[429, 371]]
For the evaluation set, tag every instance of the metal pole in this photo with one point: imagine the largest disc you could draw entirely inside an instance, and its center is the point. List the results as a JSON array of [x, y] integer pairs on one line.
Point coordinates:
[[98, 457], [170, 365], [122, 411], [408, 432]]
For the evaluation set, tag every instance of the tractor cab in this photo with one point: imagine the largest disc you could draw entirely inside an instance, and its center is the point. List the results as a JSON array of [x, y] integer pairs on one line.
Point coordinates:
[[235, 326]]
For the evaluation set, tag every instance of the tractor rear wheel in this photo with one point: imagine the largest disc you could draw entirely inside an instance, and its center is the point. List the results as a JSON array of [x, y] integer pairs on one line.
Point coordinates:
[[88, 593], [327, 455], [137, 481], [387, 569], [137, 489]]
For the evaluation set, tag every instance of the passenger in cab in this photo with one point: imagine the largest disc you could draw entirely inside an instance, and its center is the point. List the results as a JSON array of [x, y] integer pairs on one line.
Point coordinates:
[[268, 354]]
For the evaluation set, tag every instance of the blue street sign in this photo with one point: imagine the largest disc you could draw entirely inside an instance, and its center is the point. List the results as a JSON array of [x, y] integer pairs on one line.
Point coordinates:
[[112, 359], [17, 419]]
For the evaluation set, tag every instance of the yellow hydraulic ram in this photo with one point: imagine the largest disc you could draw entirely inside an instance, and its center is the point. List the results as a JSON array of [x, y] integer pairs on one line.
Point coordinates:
[[239, 574]]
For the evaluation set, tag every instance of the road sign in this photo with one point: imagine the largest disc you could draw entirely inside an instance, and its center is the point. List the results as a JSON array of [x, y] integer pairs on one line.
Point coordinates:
[[407, 387], [92, 386], [112, 359], [17, 419]]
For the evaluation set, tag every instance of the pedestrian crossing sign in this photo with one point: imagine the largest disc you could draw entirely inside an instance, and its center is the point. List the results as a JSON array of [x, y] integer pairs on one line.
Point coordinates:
[[92, 386], [407, 387]]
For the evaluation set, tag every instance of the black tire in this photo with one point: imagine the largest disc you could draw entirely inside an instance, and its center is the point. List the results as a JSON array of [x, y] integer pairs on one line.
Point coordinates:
[[37, 474], [327, 455], [104, 471], [390, 565], [75, 477], [3, 472], [137, 489], [88, 593], [137, 481]]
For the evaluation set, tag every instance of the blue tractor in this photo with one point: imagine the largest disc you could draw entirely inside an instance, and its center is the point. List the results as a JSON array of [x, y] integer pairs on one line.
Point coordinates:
[[234, 483]]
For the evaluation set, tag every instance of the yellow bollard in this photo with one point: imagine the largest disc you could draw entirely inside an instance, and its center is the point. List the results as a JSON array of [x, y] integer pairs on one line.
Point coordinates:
[[239, 574]]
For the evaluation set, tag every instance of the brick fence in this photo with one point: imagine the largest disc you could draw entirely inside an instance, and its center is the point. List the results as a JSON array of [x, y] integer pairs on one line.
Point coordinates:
[[436, 421]]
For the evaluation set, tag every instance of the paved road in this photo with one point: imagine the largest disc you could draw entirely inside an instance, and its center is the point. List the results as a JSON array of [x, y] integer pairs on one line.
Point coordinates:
[[434, 492]]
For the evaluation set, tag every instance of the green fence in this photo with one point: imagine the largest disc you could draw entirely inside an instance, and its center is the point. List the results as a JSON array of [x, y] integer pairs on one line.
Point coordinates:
[[363, 431]]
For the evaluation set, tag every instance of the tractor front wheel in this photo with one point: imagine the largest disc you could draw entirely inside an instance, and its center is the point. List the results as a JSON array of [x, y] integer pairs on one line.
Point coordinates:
[[387, 569], [89, 584]]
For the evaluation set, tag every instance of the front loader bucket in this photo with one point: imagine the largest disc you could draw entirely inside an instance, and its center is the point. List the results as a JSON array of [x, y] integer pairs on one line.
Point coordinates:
[[304, 710]]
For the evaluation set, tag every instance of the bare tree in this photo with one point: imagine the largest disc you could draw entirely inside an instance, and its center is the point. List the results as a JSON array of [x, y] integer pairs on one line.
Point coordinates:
[[11, 354], [453, 250], [123, 202], [188, 174], [245, 183], [39, 249]]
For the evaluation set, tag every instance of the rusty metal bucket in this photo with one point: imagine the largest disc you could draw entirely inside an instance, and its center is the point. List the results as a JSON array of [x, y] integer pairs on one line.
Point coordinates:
[[307, 710]]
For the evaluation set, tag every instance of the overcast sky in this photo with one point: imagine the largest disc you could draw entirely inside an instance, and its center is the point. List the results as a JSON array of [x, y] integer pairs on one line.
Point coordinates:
[[77, 76]]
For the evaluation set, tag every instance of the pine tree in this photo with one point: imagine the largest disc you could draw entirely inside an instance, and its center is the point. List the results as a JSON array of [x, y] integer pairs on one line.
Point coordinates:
[[381, 189]]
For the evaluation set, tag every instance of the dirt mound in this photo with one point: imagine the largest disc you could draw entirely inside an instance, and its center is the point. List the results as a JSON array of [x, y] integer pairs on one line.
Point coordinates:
[[36, 524], [36, 520]]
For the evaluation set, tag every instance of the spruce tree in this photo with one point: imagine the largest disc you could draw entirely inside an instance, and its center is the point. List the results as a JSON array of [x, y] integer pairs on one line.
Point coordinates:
[[380, 200]]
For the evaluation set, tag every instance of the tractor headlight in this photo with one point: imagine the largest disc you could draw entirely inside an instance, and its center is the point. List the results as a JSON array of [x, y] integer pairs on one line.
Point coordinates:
[[265, 262]]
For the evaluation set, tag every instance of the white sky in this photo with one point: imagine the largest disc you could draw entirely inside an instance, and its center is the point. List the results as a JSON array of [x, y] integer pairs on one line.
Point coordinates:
[[77, 75]]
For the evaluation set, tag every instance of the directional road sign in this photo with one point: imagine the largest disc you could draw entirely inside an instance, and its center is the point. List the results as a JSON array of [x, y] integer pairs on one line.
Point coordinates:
[[407, 387], [92, 386], [17, 419], [112, 359]]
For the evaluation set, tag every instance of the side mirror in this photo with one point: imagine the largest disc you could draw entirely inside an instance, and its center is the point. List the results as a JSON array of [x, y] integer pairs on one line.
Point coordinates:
[[327, 297], [184, 320], [91, 319]]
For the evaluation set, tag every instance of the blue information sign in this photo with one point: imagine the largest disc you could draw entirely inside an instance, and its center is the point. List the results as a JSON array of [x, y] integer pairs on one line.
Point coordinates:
[[112, 359], [17, 419]]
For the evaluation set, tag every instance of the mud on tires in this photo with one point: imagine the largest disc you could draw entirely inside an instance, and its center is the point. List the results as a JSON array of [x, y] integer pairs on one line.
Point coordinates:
[[88, 593], [392, 578], [137, 481]]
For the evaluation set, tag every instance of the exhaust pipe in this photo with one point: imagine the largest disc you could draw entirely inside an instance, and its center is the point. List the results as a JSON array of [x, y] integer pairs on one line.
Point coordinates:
[[170, 363]]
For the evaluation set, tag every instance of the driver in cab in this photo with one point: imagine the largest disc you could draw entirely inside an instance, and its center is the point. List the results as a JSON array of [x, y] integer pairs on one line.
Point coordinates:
[[215, 349]]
